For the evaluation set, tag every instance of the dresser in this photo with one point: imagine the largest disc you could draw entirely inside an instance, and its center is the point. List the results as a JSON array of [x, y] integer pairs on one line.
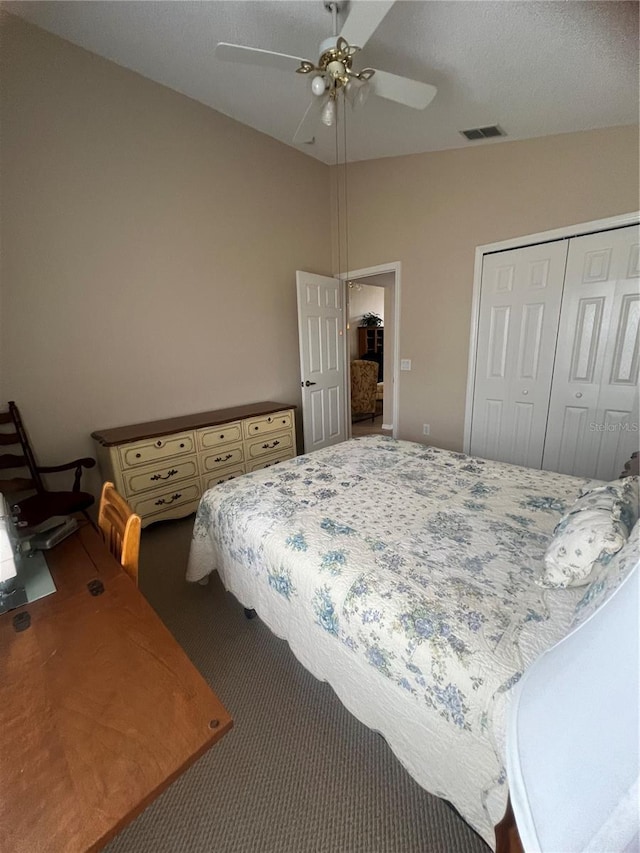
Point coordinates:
[[163, 467]]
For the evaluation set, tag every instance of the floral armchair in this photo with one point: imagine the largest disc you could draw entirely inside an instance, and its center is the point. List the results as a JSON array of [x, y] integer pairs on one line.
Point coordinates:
[[364, 387]]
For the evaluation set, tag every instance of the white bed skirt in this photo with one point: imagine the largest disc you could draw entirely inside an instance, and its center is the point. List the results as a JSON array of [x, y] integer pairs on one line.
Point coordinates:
[[423, 742]]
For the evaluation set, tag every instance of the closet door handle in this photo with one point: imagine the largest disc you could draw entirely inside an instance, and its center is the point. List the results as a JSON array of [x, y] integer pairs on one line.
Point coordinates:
[[307, 383], [525, 392], [578, 394]]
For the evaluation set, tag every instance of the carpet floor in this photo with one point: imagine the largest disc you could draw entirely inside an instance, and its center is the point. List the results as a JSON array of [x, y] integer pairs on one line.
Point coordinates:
[[297, 773]]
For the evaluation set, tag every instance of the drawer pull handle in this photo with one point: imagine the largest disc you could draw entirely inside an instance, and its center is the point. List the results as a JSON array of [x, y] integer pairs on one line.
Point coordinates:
[[163, 501], [269, 419], [159, 443], [221, 435], [220, 459], [182, 444], [170, 474], [138, 455], [256, 427], [269, 446]]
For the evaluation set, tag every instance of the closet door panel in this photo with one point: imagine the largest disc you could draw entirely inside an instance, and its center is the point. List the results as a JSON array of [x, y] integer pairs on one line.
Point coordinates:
[[518, 322], [616, 434], [596, 370]]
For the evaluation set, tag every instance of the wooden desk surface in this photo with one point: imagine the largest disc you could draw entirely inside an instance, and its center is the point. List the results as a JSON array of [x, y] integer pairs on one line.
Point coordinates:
[[100, 708]]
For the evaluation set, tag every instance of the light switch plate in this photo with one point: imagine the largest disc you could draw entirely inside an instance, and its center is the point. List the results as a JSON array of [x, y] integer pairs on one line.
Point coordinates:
[[405, 364]]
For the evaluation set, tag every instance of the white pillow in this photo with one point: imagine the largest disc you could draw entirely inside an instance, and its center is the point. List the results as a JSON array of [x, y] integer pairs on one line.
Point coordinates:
[[621, 496], [594, 529], [607, 578], [582, 540]]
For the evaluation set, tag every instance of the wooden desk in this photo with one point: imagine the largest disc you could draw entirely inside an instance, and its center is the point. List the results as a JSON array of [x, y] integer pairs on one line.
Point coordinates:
[[100, 708]]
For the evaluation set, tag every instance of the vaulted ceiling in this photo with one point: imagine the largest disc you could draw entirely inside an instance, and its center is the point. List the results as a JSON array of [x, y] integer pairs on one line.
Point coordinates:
[[535, 68]]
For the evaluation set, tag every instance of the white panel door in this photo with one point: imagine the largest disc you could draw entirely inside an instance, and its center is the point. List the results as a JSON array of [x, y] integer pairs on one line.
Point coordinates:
[[593, 415], [322, 359], [520, 298]]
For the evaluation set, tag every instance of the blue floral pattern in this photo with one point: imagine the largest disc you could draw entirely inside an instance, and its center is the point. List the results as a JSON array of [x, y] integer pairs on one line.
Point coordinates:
[[608, 577], [418, 561], [594, 529]]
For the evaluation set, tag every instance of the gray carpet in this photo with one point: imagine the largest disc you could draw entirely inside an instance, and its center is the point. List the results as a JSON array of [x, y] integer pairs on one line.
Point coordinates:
[[297, 772]]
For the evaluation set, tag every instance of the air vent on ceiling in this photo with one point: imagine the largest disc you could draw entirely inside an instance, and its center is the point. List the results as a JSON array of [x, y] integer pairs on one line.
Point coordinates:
[[483, 132]]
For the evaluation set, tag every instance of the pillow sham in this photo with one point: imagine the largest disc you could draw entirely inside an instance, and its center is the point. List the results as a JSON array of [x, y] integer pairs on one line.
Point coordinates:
[[594, 529], [621, 496], [582, 540], [608, 576]]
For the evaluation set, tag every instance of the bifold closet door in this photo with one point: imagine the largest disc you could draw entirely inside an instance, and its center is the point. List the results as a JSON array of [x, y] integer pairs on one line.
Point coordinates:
[[520, 300], [593, 414]]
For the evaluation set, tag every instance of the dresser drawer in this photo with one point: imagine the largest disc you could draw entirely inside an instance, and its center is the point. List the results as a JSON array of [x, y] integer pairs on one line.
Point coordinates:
[[222, 457], [153, 450], [160, 501], [269, 445], [155, 477], [222, 476], [221, 434], [267, 463], [268, 423]]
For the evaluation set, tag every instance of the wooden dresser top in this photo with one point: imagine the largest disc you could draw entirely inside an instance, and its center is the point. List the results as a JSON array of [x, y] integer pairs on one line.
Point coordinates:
[[151, 429]]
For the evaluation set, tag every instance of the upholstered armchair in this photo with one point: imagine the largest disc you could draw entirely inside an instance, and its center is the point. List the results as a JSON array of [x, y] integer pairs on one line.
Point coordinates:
[[364, 387]]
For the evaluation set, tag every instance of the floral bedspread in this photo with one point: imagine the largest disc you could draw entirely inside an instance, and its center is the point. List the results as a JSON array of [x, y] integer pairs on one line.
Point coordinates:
[[418, 561]]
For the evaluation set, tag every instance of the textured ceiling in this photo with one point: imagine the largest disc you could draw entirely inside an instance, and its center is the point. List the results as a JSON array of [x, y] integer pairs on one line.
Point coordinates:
[[534, 68]]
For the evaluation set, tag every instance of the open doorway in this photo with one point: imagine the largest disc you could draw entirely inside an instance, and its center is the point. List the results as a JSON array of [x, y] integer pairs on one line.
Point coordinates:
[[372, 311]]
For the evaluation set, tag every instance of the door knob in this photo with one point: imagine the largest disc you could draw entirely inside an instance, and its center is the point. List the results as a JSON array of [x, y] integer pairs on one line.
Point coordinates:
[[307, 383], [578, 394]]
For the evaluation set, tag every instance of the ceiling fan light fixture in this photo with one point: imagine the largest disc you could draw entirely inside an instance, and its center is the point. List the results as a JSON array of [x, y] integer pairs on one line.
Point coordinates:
[[328, 115], [318, 85], [356, 91], [336, 69]]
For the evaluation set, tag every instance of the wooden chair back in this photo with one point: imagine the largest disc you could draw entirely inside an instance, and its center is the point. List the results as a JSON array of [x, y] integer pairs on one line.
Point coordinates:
[[120, 528], [13, 435], [21, 477]]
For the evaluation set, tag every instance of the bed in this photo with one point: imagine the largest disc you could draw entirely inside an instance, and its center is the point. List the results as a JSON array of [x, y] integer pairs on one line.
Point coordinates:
[[404, 576]]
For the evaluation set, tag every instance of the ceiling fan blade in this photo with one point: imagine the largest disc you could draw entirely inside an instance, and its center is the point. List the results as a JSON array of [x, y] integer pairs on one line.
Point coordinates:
[[255, 56], [411, 93], [363, 20], [305, 133]]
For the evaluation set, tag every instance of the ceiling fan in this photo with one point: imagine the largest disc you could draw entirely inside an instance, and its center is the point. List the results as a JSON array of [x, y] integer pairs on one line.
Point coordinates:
[[334, 72]]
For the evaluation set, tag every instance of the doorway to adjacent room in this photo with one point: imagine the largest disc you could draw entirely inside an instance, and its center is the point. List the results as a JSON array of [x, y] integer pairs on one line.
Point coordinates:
[[372, 311]]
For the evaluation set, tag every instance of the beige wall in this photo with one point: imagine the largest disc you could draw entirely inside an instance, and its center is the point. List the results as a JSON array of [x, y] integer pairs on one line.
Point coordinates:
[[149, 245], [149, 248], [430, 211]]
